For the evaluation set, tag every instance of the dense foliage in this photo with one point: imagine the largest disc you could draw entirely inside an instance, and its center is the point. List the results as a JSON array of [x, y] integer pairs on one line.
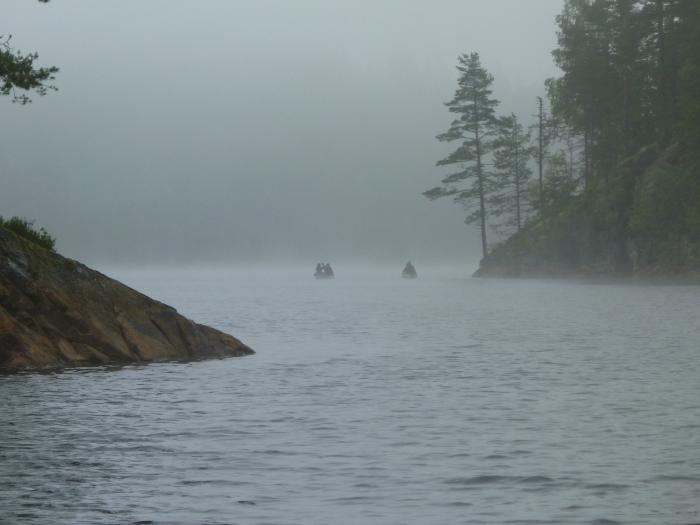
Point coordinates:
[[26, 230], [631, 79], [630, 82], [631, 76]]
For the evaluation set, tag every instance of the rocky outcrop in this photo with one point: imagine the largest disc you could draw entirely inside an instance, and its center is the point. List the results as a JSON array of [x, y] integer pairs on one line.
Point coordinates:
[[56, 312], [635, 222]]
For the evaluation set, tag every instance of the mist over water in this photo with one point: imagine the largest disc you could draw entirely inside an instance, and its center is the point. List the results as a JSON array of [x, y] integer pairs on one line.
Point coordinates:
[[210, 154], [254, 131], [374, 399]]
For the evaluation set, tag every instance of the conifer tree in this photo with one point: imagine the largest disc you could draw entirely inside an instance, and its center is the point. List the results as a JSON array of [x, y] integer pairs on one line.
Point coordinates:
[[511, 162], [18, 73], [473, 130], [541, 145], [559, 186], [662, 19], [629, 75], [688, 125]]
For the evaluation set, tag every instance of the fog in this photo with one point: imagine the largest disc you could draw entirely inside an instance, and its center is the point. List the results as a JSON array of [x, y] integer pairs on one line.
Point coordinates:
[[255, 131]]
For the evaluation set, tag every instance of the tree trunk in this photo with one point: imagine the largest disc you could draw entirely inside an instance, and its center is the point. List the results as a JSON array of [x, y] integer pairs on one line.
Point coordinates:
[[517, 179], [624, 10], [540, 153], [586, 158], [570, 145], [482, 205], [664, 88]]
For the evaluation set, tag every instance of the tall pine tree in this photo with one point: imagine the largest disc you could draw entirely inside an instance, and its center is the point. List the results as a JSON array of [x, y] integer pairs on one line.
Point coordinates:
[[474, 130]]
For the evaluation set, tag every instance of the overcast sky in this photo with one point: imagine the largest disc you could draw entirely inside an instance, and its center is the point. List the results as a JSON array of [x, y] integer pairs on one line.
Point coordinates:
[[255, 130]]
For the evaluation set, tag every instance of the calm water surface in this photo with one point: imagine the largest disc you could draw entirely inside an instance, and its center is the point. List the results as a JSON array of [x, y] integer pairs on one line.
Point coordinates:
[[375, 400]]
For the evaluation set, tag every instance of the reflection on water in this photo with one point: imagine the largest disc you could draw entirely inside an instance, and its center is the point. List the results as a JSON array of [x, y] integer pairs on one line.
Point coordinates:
[[376, 400]]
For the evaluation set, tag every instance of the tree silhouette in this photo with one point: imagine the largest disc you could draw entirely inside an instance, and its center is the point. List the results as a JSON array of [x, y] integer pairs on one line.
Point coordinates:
[[19, 75]]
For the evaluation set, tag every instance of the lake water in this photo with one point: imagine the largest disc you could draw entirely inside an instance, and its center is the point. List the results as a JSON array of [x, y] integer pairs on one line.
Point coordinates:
[[375, 400]]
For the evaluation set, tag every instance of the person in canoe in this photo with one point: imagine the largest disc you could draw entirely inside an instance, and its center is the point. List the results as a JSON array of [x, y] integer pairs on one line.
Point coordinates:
[[324, 271], [409, 271]]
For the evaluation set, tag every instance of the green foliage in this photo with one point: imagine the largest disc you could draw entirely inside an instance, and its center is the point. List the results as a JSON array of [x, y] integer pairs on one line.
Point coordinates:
[[473, 130], [625, 112], [688, 126], [18, 72], [559, 188], [631, 75], [511, 158], [25, 229], [669, 204]]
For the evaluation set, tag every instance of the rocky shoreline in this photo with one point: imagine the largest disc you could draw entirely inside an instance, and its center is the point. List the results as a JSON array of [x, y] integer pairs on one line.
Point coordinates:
[[56, 312]]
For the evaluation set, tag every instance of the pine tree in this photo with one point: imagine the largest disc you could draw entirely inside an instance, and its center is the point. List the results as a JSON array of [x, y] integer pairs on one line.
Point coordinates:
[[629, 67], [688, 125], [663, 43], [559, 186], [18, 72], [511, 161], [473, 130], [541, 151], [603, 94]]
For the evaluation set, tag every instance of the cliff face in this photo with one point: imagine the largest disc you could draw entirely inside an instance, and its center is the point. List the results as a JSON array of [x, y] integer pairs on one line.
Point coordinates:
[[56, 312], [641, 221]]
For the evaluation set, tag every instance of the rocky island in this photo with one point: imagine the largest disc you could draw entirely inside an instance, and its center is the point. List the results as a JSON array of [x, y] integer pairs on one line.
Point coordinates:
[[56, 312]]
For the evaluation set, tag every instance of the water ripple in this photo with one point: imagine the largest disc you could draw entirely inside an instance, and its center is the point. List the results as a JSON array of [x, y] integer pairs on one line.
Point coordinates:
[[442, 402]]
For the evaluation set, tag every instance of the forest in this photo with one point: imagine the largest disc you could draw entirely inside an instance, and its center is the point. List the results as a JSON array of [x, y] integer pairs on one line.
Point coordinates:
[[606, 180]]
